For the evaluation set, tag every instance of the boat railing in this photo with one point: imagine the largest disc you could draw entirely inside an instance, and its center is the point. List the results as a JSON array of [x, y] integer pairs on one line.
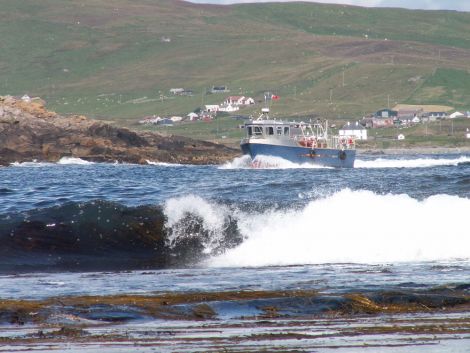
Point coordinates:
[[344, 142], [336, 142]]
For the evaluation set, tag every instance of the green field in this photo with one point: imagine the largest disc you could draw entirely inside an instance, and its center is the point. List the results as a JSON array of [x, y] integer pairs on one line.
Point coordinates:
[[106, 59]]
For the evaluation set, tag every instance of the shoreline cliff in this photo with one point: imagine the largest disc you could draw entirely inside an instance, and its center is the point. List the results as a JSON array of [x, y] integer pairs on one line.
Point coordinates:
[[28, 131]]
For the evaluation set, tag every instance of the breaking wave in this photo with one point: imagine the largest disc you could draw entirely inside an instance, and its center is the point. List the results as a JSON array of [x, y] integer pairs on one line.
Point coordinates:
[[266, 162], [74, 160], [271, 162], [163, 164], [410, 163], [62, 161], [33, 163], [354, 226], [343, 227]]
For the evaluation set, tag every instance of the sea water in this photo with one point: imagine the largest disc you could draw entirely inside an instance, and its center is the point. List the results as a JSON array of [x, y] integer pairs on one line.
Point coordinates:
[[391, 222]]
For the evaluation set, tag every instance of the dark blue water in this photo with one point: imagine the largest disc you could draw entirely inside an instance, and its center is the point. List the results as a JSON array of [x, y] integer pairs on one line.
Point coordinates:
[[31, 186], [78, 216], [394, 224]]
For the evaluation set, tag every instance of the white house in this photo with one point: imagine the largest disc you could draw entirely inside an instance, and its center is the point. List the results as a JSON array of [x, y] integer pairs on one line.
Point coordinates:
[[176, 119], [437, 115], [229, 108], [192, 116], [26, 98], [401, 137], [150, 120], [356, 130], [219, 89], [416, 120], [212, 107], [239, 100], [176, 90], [456, 115]]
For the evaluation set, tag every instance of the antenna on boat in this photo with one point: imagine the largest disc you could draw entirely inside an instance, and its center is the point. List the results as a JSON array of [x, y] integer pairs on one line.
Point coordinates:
[[265, 109]]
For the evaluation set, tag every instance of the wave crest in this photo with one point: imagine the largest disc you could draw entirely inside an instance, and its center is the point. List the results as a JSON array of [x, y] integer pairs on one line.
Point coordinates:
[[342, 227], [410, 163], [355, 226]]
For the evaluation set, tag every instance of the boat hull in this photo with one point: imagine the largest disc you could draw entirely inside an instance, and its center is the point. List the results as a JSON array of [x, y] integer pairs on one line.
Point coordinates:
[[328, 157]]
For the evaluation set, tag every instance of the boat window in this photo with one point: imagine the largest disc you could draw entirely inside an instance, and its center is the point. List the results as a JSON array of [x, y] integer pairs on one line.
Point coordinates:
[[269, 130], [258, 130], [279, 130], [250, 131], [286, 130]]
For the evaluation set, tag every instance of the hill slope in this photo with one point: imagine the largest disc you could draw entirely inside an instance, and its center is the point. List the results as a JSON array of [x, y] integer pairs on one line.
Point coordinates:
[[111, 60]]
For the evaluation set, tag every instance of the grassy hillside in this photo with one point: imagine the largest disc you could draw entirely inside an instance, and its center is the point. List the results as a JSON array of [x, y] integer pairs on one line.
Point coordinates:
[[106, 58]]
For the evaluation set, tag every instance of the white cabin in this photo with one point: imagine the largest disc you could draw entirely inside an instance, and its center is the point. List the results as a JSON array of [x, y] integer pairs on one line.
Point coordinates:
[[358, 131]]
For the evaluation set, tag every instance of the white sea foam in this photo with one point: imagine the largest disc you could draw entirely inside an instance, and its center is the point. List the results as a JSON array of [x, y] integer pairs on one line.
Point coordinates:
[[212, 216], [73, 160], [33, 163], [271, 162], [163, 164], [348, 226], [410, 163], [62, 161], [242, 162], [266, 162]]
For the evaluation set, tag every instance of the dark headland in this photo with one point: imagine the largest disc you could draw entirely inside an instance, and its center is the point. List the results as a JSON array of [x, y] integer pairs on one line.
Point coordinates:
[[28, 131]]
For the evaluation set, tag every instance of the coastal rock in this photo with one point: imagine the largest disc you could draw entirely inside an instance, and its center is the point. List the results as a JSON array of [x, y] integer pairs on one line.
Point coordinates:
[[29, 131]]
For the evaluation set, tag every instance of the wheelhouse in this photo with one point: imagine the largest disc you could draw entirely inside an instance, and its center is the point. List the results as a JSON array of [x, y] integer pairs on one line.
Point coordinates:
[[312, 135]]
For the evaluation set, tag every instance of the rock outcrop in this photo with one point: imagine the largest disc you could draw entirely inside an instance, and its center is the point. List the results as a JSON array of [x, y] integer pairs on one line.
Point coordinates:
[[29, 132]]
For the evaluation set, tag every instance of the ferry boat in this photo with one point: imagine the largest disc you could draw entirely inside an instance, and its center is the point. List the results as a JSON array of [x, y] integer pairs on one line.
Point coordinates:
[[298, 142]]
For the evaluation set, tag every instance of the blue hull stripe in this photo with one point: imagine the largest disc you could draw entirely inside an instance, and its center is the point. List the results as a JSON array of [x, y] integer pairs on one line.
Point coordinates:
[[319, 156]]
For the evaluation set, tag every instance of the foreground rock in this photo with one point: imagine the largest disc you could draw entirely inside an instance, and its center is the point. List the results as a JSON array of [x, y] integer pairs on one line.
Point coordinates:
[[241, 321], [28, 131]]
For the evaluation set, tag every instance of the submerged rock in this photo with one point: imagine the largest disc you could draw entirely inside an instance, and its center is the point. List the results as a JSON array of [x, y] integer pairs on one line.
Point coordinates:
[[28, 131]]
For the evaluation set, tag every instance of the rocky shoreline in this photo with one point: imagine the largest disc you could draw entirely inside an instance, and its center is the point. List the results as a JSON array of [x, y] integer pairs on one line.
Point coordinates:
[[28, 131], [241, 321]]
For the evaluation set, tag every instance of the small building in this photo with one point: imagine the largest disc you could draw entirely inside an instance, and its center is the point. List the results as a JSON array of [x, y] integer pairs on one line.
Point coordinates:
[[165, 122], [467, 135], [187, 92], [437, 115], [193, 116], [456, 115], [211, 107], [401, 137], [376, 122], [219, 89], [228, 108], [405, 114], [239, 100], [176, 119], [357, 130], [177, 91], [386, 113], [416, 120], [433, 116], [26, 98], [150, 120]]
